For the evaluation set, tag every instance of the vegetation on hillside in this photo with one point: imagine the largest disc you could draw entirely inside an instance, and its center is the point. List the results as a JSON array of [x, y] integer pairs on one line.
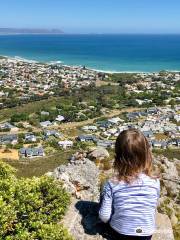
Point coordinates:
[[31, 208], [123, 78], [39, 166], [169, 153]]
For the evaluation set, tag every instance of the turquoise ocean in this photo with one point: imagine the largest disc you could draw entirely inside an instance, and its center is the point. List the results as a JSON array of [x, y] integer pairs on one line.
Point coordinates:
[[116, 53]]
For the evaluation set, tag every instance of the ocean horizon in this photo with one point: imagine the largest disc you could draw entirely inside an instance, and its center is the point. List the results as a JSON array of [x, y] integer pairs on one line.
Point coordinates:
[[103, 52]]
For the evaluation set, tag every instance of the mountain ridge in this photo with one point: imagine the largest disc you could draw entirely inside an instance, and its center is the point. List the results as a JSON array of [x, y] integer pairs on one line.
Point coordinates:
[[30, 31]]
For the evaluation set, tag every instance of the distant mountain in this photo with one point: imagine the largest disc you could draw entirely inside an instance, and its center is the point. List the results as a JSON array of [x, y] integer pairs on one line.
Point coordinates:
[[29, 31]]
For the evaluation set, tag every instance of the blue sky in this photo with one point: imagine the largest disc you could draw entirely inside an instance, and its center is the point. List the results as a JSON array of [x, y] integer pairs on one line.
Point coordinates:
[[93, 16]]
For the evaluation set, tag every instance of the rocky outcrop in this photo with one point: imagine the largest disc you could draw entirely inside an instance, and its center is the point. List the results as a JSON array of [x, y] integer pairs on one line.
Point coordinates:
[[83, 223], [170, 176], [99, 153], [164, 228], [81, 179], [169, 202]]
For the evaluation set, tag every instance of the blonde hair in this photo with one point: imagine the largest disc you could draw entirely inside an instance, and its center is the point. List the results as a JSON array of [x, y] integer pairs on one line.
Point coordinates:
[[132, 155]]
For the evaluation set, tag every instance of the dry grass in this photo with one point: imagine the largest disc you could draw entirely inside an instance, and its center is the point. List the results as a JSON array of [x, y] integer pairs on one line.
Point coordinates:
[[39, 166], [169, 153], [70, 132], [160, 136], [12, 154]]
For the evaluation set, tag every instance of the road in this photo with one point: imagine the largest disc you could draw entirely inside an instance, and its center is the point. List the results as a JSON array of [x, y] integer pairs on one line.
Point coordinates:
[[112, 113], [72, 125]]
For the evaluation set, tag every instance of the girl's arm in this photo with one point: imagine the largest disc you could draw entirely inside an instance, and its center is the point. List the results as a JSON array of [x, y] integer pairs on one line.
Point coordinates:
[[106, 203]]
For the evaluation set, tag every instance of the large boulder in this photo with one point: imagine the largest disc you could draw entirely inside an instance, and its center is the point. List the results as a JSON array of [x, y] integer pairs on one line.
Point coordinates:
[[170, 178], [170, 190], [99, 153], [164, 229], [80, 178]]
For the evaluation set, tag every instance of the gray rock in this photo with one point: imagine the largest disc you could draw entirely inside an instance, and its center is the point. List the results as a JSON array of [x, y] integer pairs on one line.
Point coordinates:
[[83, 223], [164, 229], [99, 153], [80, 178], [170, 178]]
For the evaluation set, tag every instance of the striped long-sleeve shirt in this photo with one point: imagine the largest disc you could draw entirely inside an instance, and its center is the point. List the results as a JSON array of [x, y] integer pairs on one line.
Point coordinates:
[[130, 208]]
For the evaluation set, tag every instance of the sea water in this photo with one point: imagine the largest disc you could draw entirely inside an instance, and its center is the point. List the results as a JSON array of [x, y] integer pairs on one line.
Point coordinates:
[[114, 53]]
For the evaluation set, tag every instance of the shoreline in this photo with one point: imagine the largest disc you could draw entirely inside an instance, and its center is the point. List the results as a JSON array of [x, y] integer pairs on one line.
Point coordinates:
[[59, 62]]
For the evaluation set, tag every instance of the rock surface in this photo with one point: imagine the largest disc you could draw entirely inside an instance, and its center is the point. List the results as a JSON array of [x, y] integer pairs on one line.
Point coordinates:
[[169, 201], [99, 153], [81, 179], [82, 222], [170, 175], [164, 229]]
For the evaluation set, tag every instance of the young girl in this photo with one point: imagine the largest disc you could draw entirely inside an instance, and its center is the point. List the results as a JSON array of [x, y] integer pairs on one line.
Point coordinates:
[[129, 200]]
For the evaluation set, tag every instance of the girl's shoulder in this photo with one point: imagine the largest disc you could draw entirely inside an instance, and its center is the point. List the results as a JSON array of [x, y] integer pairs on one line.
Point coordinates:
[[114, 182], [150, 180], [154, 179]]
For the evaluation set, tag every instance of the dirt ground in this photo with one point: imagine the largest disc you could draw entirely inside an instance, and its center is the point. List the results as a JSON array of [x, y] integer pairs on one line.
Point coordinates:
[[11, 155]]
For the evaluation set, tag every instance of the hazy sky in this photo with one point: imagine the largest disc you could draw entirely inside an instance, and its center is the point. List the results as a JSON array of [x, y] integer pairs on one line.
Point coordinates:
[[93, 16]]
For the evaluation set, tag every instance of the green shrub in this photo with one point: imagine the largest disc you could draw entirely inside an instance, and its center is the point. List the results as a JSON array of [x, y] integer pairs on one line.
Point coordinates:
[[31, 208], [17, 117], [18, 146], [53, 232]]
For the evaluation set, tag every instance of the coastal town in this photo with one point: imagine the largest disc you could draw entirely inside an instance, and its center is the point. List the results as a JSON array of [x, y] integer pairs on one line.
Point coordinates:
[[90, 120], [27, 80], [159, 125], [38, 134]]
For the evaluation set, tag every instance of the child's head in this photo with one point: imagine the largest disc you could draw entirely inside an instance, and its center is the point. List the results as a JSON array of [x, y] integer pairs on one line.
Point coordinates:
[[132, 155]]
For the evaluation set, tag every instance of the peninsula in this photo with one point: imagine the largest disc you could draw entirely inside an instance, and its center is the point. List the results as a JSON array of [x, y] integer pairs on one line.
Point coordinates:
[[4, 31]]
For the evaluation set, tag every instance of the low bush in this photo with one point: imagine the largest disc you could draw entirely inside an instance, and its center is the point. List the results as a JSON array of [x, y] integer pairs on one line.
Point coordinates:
[[31, 208]]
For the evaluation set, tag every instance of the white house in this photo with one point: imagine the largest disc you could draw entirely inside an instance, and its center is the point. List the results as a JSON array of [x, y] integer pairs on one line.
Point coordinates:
[[60, 118], [44, 113], [115, 120], [177, 117], [140, 102], [89, 128], [9, 126], [30, 137], [45, 124], [112, 131], [122, 128], [65, 144]]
